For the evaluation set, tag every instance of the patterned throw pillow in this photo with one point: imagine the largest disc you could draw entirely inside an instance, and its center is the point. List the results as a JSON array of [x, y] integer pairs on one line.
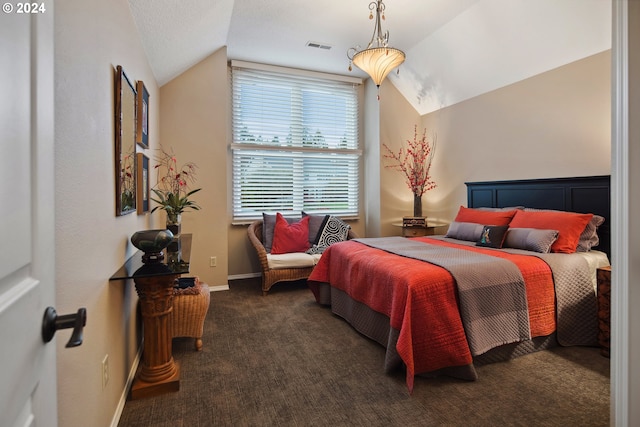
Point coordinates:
[[492, 236], [332, 231]]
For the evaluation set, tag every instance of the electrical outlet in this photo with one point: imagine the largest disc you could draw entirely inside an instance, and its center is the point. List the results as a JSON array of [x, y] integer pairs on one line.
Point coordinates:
[[213, 262], [105, 371]]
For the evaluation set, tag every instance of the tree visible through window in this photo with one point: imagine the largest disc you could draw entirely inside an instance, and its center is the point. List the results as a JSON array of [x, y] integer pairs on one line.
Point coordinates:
[[295, 144]]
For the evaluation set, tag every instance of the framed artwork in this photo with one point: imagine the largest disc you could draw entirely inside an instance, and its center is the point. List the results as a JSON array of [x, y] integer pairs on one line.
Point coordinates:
[[142, 115], [142, 178], [125, 143]]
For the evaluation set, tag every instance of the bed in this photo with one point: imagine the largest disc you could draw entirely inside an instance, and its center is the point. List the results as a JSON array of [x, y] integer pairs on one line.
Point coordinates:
[[442, 305]]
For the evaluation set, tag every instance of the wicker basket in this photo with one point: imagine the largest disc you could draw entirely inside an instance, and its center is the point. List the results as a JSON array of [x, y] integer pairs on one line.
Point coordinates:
[[190, 306]]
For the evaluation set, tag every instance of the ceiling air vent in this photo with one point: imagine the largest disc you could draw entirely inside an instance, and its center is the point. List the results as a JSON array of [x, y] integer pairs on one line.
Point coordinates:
[[319, 45]]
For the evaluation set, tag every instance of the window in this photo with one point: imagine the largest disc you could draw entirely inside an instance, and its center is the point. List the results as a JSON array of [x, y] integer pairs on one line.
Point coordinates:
[[295, 144]]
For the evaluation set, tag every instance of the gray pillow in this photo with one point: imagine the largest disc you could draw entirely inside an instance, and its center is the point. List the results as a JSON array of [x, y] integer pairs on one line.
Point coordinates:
[[315, 222], [530, 239], [589, 237], [465, 231]]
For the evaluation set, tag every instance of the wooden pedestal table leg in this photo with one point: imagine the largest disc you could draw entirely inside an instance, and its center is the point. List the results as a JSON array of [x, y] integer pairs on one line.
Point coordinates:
[[158, 373]]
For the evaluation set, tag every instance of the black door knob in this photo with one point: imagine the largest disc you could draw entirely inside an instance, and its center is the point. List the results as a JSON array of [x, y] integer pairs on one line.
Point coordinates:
[[52, 322]]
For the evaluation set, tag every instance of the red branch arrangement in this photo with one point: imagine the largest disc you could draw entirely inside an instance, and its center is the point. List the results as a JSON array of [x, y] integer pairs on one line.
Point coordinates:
[[415, 162]]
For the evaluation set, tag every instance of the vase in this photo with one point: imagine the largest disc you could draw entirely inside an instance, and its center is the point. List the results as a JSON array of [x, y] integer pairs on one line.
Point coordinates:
[[151, 242], [174, 223], [417, 205]]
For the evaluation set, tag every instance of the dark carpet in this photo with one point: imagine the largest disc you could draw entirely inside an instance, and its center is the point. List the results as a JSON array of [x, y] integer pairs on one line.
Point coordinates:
[[283, 360]]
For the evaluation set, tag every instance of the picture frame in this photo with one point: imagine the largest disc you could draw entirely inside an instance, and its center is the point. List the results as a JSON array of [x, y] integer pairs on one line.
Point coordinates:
[[142, 115], [142, 183], [125, 143]]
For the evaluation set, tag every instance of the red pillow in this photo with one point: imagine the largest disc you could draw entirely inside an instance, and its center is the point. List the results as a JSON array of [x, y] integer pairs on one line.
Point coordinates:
[[484, 217], [569, 225], [289, 238]]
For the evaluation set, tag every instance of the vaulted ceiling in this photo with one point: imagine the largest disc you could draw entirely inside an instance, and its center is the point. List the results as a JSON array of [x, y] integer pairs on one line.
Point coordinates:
[[456, 49]]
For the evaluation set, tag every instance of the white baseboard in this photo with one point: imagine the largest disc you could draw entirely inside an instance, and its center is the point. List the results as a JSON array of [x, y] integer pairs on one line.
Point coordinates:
[[123, 398], [244, 276], [218, 288]]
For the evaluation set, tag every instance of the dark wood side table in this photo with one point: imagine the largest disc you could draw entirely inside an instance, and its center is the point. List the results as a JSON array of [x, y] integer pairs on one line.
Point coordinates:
[[431, 228], [158, 372], [604, 310]]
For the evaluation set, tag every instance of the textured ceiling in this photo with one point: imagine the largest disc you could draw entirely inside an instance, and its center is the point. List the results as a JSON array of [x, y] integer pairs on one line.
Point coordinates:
[[456, 49]]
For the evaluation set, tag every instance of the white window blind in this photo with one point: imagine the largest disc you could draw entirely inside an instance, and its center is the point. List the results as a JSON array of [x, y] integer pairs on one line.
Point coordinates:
[[295, 144]]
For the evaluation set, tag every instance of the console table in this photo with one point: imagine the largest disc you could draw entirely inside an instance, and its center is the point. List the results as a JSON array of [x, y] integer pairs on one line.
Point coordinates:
[[158, 373]]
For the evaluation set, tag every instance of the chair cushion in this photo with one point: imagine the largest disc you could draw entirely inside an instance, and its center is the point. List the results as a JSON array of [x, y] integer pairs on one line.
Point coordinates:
[[292, 260]]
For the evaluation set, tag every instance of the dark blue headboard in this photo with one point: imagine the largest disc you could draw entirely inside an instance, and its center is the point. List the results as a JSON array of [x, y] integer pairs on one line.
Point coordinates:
[[588, 194]]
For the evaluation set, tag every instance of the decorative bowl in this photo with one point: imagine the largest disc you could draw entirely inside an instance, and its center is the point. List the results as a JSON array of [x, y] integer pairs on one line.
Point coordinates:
[[151, 241]]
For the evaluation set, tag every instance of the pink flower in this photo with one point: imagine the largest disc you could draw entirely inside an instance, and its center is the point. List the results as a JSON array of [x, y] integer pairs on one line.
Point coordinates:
[[171, 176]]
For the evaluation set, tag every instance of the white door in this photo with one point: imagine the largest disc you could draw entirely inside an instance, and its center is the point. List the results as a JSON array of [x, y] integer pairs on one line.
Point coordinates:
[[27, 365]]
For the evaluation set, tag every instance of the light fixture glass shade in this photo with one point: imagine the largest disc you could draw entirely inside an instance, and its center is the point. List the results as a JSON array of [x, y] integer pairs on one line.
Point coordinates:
[[378, 59], [378, 62]]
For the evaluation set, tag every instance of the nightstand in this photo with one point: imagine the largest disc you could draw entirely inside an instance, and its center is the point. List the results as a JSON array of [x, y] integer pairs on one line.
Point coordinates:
[[433, 228], [604, 309]]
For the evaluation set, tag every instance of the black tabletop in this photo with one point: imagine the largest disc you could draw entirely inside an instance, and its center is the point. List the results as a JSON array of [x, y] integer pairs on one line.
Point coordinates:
[[176, 261]]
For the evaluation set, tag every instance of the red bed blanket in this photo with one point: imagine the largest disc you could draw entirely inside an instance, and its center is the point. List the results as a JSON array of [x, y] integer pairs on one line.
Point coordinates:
[[420, 299]]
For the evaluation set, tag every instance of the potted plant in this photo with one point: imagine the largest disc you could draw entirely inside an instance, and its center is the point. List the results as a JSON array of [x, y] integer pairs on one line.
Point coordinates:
[[172, 189]]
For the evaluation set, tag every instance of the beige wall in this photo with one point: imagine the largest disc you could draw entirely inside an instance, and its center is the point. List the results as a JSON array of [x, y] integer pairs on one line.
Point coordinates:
[[194, 111], [398, 120], [91, 38], [243, 261], [551, 125]]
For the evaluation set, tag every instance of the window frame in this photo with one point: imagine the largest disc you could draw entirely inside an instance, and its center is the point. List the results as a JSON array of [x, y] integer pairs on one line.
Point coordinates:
[[308, 162]]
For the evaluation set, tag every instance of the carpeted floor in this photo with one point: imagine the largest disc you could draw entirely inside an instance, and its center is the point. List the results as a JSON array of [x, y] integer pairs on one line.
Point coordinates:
[[283, 360]]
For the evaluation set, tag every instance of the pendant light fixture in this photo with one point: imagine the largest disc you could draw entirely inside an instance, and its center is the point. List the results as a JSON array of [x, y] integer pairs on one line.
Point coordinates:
[[378, 59]]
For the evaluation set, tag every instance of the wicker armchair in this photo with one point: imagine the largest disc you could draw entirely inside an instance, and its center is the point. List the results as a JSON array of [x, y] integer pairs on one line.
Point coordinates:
[[272, 276]]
